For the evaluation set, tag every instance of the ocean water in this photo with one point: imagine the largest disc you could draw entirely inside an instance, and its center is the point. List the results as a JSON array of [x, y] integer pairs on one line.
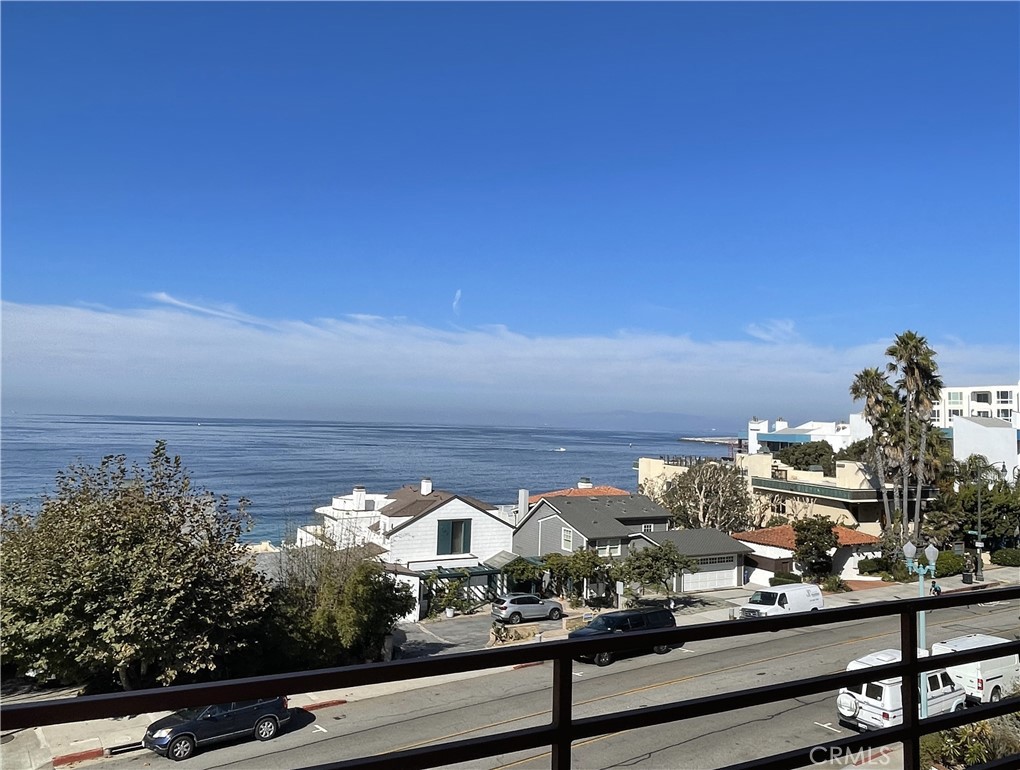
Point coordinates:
[[289, 468]]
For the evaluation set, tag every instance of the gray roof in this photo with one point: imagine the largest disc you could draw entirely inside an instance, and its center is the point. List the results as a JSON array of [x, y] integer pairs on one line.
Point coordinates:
[[598, 517], [987, 422], [699, 542]]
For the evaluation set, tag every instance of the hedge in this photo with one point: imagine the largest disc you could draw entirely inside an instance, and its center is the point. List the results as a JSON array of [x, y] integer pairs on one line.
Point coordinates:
[[948, 564], [873, 566], [1007, 557], [777, 581], [793, 577]]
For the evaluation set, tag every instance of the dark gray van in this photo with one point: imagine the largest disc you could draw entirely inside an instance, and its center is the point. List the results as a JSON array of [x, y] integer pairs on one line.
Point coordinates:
[[623, 622]]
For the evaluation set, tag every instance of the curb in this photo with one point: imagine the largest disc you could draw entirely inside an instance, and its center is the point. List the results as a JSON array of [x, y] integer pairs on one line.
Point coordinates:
[[323, 704], [78, 756], [873, 755]]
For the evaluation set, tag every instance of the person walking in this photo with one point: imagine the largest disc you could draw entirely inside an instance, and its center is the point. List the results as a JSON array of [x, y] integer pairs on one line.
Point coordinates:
[[936, 589]]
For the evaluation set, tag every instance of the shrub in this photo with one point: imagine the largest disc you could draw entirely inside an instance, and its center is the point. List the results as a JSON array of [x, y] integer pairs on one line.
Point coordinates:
[[900, 573], [789, 577], [873, 566], [948, 563], [1007, 557], [834, 584], [777, 581]]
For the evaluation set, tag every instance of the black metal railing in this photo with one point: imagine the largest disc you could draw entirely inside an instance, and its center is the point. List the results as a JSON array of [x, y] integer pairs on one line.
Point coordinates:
[[563, 729]]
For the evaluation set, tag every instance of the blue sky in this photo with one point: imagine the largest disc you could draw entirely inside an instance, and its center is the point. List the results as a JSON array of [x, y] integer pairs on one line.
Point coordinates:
[[502, 213]]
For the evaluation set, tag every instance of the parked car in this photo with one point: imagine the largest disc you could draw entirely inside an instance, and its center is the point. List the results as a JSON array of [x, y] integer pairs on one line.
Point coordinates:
[[179, 734], [984, 681], [874, 705], [513, 608], [624, 622], [778, 600]]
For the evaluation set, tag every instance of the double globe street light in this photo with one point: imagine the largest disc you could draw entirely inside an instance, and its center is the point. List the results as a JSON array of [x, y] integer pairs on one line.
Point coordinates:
[[931, 554]]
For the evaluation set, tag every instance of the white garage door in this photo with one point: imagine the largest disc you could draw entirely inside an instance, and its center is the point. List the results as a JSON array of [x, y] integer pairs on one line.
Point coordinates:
[[713, 572]]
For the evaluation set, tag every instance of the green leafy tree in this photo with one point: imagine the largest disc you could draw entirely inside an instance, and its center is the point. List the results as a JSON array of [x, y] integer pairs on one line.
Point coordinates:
[[371, 601], [130, 575], [803, 456], [558, 566], [814, 538], [522, 571], [708, 495], [955, 513], [586, 564], [303, 630], [858, 452], [654, 567]]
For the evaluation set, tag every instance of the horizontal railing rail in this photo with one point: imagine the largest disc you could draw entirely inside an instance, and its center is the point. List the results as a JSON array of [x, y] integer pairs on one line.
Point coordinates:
[[563, 728]]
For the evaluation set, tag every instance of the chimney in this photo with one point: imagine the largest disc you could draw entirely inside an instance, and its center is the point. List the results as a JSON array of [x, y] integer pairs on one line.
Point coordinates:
[[426, 487], [584, 483], [359, 498], [522, 505]]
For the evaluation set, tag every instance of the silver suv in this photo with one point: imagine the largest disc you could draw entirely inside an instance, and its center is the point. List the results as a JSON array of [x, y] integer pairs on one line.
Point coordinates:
[[513, 608]]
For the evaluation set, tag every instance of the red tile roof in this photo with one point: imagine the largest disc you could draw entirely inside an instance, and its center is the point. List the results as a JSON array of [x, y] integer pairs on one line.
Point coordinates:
[[784, 537], [575, 492]]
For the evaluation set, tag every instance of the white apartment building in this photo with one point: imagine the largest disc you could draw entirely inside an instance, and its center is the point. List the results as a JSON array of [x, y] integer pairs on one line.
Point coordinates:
[[840, 435], [1001, 402]]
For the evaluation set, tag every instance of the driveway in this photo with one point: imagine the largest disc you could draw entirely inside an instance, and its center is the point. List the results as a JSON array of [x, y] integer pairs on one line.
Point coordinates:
[[460, 633]]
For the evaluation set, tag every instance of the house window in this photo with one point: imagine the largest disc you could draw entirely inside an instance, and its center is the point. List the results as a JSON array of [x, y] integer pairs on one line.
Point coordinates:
[[647, 527], [983, 413], [936, 415], [1004, 414], [706, 560], [983, 398], [956, 413], [607, 547], [955, 397], [1003, 397], [567, 540], [454, 536]]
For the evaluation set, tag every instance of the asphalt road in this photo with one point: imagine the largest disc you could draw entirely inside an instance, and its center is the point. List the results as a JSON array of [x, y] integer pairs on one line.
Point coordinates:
[[521, 698]]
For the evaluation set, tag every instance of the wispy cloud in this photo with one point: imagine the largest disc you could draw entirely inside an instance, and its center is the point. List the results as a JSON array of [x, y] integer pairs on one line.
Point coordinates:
[[181, 357], [773, 331], [218, 311], [456, 302]]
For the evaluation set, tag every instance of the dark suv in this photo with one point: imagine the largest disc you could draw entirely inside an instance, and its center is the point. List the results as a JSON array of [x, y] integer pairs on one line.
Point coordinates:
[[177, 735], [622, 622]]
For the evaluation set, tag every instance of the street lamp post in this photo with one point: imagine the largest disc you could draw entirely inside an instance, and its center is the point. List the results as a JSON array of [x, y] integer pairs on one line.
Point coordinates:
[[979, 569], [931, 553]]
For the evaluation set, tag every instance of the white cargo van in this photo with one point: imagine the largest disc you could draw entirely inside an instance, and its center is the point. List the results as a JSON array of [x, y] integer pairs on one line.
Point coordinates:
[[778, 600], [985, 681], [875, 705]]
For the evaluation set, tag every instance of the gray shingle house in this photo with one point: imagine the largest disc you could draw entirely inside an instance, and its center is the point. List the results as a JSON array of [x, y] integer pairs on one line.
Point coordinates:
[[720, 557], [602, 523]]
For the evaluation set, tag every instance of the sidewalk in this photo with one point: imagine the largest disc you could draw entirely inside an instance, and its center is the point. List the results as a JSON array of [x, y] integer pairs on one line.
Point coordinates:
[[59, 745]]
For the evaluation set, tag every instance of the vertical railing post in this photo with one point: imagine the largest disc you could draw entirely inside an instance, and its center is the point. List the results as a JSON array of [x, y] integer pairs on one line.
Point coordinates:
[[562, 706], [908, 690]]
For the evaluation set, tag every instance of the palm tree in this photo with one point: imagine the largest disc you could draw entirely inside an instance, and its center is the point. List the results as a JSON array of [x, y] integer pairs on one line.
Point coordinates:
[[872, 386], [914, 360], [930, 389]]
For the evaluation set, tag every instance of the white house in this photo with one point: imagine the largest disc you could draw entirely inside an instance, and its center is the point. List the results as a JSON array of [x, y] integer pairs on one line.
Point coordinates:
[[773, 547], [420, 530]]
